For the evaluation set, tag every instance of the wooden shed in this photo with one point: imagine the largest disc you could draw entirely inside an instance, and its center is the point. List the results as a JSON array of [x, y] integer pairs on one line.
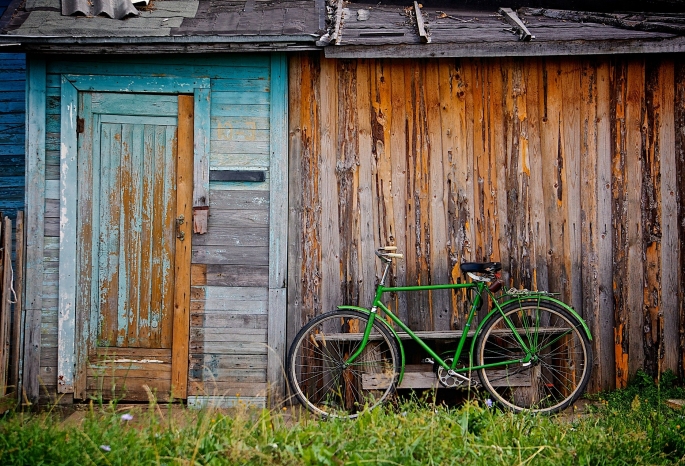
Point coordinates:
[[550, 140], [156, 197], [203, 177]]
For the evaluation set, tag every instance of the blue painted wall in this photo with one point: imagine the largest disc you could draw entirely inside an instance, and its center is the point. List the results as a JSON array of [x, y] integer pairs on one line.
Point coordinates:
[[12, 86]]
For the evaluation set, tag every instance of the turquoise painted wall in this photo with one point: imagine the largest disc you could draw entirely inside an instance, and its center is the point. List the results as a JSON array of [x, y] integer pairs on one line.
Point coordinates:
[[231, 262], [12, 93]]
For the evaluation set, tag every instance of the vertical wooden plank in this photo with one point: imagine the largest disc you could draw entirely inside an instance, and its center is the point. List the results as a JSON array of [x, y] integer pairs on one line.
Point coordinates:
[[278, 201], [35, 208], [278, 226], [184, 196], [604, 234], [330, 236], [538, 222], [589, 190], [651, 221], [619, 215], [20, 249], [161, 191], [5, 303], [367, 199], [415, 212], [131, 225], [201, 151], [389, 91], [167, 144], [454, 94], [439, 260], [554, 188], [347, 175], [66, 356], [295, 195], [635, 120], [670, 245], [87, 229], [108, 250], [571, 131], [679, 152], [496, 212], [147, 238], [310, 238]]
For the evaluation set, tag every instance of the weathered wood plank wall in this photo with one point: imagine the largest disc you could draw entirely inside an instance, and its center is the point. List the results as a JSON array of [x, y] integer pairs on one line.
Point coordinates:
[[568, 170]]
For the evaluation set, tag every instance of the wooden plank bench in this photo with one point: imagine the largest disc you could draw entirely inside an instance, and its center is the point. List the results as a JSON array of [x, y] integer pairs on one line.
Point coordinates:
[[421, 376]]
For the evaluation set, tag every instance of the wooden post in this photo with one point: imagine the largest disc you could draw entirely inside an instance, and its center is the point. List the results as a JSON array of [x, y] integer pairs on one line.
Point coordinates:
[[18, 304], [184, 194], [5, 304]]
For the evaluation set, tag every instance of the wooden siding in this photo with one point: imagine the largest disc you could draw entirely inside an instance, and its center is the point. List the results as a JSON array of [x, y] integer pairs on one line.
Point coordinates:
[[230, 263], [12, 116], [569, 171]]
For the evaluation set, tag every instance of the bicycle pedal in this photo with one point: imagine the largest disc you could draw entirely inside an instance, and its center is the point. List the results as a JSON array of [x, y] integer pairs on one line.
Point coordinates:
[[427, 361]]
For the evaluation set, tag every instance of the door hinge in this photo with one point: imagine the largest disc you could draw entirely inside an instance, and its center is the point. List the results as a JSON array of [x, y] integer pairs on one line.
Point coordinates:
[[80, 126], [180, 234]]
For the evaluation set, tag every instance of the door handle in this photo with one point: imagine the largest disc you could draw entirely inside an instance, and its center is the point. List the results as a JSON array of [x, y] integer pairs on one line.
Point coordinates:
[[180, 234]]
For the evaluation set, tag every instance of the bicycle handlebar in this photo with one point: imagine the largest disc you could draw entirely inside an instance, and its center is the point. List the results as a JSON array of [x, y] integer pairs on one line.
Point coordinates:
[[381, 252]]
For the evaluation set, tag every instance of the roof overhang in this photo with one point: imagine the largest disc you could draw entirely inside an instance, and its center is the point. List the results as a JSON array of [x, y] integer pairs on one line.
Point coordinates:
[[166, 45], [509, 49]]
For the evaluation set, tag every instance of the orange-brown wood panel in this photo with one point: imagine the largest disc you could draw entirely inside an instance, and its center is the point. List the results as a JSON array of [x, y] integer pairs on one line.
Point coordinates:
[[537, 162], [619, 219], [184, 196]]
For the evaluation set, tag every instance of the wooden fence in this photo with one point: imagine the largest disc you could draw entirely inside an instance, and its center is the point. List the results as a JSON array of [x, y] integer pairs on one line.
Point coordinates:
[[10, 308], [568, 170]]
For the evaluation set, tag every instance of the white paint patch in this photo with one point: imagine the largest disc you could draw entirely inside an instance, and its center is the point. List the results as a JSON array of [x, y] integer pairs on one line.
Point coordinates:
[[134, 361]]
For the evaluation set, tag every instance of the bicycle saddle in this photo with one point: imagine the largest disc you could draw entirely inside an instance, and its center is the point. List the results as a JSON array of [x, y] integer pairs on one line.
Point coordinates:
[[481, 267]]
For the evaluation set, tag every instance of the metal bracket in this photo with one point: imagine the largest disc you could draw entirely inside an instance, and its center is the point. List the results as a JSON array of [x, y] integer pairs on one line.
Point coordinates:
[[519, 28], [180, 234]]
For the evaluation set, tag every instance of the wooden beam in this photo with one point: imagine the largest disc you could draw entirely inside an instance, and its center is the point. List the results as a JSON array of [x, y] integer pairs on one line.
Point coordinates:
[[184, 195], [19, 304], [5, 298], [337, 32], [512, 18], [35, 213], [278, 226], [425, 38], [66, 318]]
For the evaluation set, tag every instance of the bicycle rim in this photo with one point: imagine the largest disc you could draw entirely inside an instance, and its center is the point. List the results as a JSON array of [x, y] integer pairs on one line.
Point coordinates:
[[561, 360], [322, 381]]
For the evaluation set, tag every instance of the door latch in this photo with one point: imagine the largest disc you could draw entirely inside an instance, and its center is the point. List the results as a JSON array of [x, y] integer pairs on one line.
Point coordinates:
[[180, 234]]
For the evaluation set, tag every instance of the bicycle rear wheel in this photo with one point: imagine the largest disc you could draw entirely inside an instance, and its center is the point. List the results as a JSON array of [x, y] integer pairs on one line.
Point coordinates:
[[561, 360], [317, 369]]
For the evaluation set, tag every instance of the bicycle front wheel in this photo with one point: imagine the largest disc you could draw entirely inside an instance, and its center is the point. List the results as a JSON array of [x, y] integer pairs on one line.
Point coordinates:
[[561, 362], [323, 380]]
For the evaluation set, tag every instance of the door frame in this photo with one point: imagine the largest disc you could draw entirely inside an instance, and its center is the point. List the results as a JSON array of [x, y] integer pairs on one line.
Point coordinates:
[[72, 357]]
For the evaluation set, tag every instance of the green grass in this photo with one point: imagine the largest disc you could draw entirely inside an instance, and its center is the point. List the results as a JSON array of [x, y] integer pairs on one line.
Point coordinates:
[[626, 427]]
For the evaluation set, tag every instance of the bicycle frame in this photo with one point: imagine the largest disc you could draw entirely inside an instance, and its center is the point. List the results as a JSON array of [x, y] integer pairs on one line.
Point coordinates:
[[481, 289]]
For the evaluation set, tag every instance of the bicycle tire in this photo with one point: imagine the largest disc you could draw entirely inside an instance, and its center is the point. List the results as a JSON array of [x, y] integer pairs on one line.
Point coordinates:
[[316, 365], [562, 357]]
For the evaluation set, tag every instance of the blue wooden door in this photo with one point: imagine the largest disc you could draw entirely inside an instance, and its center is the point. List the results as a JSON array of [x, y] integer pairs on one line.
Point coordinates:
[[129, 196]]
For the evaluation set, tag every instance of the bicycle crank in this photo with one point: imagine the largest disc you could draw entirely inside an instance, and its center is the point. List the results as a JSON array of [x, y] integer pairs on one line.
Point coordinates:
[[451, 379]]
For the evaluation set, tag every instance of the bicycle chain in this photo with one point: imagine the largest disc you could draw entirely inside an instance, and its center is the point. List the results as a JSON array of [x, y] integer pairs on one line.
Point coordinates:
[[526, 292]]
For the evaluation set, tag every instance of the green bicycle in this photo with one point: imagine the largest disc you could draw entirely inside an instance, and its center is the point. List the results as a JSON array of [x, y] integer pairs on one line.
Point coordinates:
[[531, 352]]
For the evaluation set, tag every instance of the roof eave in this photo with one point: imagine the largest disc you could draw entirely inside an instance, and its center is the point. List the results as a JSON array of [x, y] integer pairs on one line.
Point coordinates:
[[156, 44], [509, 49]]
